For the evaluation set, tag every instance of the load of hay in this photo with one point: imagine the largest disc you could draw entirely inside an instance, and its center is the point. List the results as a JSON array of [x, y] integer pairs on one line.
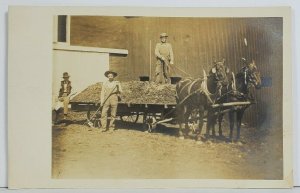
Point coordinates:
[[134, 92], [89, 95]]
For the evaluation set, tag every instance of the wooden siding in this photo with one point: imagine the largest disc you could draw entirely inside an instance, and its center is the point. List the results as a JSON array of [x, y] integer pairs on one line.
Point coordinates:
[[196, 43]]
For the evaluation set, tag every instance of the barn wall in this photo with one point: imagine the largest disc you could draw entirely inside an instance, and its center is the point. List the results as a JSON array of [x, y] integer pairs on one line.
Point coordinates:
[[196, 42]]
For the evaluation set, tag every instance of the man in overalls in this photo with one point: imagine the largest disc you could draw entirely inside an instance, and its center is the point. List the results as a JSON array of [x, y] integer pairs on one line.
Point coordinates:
[[64, 92], [165, 57], [111, 89]]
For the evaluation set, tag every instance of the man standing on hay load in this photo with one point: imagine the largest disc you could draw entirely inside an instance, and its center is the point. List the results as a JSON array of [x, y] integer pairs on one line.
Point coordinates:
[[110, 92], [165, 58]]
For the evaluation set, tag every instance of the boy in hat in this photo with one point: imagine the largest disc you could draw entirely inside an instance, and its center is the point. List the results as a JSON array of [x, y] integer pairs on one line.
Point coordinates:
[[165, 57], [64, 92], [111, 89]]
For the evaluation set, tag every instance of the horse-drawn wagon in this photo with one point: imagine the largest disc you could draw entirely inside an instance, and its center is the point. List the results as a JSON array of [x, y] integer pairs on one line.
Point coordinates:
[[190, 101]]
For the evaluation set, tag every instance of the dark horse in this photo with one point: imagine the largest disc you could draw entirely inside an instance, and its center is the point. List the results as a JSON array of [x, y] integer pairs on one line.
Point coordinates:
[[219, 87], [241, 89], [194, 97]]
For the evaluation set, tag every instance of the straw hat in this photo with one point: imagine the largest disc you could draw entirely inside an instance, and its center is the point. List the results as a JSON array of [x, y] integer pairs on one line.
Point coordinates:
[[65, 75], [110, 72], [163, 35]]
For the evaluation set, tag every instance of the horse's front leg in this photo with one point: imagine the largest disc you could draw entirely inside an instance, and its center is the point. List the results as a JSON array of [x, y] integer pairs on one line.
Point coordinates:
[[180, 111], [183, 119], [208, 125], [213, 124], [180, 129], [220, 119], [239, 118], [200, 123], [231, 124], [186, 121]]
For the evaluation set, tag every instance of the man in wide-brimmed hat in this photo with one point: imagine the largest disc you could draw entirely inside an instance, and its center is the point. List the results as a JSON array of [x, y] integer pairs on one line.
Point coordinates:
[[165, 58], [110, 92], [64, 92]]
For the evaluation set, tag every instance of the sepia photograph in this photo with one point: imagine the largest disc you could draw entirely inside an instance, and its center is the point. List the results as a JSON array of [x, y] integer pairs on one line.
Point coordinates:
[[140, 97]]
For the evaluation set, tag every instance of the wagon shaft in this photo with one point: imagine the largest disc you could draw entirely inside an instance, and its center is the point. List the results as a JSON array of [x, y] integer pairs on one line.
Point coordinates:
[[231, 104]]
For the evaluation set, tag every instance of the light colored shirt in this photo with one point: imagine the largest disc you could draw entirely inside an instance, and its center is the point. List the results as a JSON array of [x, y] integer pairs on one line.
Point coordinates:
[[108, 88], [65, 87]]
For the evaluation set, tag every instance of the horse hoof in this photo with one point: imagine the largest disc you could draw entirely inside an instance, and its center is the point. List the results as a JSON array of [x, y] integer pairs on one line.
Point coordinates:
[[209, 142], [199, 142], [239, 143], [181, 138]]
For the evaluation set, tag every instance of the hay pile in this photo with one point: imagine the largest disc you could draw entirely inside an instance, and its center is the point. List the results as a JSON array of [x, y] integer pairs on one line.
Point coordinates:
[[134, 92], [137, 92], [89, 95]]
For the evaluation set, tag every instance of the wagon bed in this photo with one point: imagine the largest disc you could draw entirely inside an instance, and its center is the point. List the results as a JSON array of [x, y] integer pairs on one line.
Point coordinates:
[[153, 112], [129, 112]]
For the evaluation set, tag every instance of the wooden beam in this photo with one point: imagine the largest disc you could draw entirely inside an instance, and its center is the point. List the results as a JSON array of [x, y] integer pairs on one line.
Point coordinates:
[[231, 104], [164, 121], [65, 47]]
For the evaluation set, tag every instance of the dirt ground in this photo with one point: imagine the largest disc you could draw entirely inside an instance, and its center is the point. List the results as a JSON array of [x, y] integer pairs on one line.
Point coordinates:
[[79, 151]]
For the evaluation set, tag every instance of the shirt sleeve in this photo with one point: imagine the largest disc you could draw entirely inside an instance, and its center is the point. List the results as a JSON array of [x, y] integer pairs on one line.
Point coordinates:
[[157, 54], [61, 89], [119, 88], [69, 88], [171, 54]]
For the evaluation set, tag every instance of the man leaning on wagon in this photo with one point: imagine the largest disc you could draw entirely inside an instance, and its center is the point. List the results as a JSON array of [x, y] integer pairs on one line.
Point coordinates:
[[165, 58]]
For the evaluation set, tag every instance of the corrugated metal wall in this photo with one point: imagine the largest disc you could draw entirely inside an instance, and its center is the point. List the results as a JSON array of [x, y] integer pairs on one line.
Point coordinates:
[[196, 42]]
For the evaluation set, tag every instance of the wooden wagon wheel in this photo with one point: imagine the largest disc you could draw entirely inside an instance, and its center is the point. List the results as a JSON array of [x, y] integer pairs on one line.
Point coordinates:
[[148, 122], [130, 118], [196, 121], [94, 118]]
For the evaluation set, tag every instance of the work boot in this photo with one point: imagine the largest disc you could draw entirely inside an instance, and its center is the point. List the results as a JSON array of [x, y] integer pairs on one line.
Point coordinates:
[[102, 129]]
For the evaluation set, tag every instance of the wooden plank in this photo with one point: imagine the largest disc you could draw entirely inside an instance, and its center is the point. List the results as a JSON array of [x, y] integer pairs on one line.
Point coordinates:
[[89, 49], [230, 104]]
